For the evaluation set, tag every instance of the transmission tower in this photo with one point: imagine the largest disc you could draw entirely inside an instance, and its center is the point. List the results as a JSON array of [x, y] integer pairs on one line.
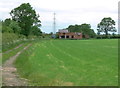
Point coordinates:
[[54, 24]]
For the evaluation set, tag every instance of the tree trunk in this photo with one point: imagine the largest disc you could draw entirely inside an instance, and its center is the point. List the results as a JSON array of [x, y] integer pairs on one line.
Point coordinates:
[[106, 32]]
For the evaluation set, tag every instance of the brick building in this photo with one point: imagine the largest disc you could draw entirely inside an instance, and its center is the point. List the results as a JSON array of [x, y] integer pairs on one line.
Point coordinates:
[[65, 34]]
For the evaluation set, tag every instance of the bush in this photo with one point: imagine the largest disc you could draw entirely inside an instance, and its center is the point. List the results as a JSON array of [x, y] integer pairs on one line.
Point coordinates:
[[116, 36], [10, 40]]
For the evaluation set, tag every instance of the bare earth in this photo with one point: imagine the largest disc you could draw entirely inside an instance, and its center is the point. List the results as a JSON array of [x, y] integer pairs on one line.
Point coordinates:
[[9, 75]]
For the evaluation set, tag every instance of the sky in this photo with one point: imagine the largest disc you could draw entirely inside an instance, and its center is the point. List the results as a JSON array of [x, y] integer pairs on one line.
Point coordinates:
[[68, 12]]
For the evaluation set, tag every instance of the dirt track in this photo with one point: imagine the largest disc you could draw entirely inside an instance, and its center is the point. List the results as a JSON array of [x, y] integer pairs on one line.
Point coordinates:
[[9, 75]]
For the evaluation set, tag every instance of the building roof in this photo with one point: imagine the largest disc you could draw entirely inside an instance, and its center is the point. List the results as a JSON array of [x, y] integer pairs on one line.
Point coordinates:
[[63, 31]]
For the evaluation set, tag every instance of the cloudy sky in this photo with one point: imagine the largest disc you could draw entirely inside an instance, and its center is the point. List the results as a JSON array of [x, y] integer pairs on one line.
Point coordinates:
[[68, 12]]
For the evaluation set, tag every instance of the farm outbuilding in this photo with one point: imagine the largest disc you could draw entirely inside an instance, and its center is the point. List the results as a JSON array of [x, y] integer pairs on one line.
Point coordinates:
[[65, 34]]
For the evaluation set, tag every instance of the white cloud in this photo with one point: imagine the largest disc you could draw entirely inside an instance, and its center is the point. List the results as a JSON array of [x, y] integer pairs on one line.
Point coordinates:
[[67, 11]]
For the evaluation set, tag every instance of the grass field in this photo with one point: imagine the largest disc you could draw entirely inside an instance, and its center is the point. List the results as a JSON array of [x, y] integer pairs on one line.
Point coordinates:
[[70, 63]]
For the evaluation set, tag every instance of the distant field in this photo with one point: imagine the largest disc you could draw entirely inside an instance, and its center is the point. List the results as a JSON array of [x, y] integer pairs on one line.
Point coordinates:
[[70, 63]]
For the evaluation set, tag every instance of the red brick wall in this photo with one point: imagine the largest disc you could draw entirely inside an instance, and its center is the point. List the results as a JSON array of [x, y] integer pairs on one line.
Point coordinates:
[[70, 35]]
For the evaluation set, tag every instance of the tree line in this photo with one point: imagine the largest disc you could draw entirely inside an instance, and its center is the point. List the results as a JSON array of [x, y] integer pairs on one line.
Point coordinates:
[[106, 25], [24, 21], [24, 24], [85, 29]]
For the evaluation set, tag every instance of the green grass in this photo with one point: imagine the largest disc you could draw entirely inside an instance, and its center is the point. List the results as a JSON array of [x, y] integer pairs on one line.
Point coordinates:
[[70, 62], [6, 56], [6, 47]]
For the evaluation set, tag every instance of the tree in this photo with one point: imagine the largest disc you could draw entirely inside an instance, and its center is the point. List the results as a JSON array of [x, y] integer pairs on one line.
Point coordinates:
[[10, 26], [5, 26], [36, 31], [26, 16], [15, 27], [0, 26], [106, 25], [84, 28], [74, 28], [7, 22]]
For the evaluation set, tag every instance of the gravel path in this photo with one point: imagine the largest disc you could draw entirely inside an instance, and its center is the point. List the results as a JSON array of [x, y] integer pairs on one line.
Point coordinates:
[[9, 75]]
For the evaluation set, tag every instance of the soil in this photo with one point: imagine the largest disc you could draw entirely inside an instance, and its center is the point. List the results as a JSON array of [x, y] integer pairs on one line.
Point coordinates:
[[9, 72]]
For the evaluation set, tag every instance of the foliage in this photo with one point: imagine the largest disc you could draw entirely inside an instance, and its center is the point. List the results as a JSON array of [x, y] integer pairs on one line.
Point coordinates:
[[10, 26], [26, 16], [36, 31], [0, 42], [70, 62], [15, 27], [0, 26], [115, 36], [23, 23], [9, 39], [84, 28], [106, 25]]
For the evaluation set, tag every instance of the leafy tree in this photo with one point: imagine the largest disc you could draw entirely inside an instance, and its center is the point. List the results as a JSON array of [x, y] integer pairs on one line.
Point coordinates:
[[0, 26], [36, 31], [74, 28], [84, 28], [91, 33], [15, 27], [106, 25], [51, 33], [7, 22], [5, 26], [6, 29], [10, 26], [71, 28], [26, 16]]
